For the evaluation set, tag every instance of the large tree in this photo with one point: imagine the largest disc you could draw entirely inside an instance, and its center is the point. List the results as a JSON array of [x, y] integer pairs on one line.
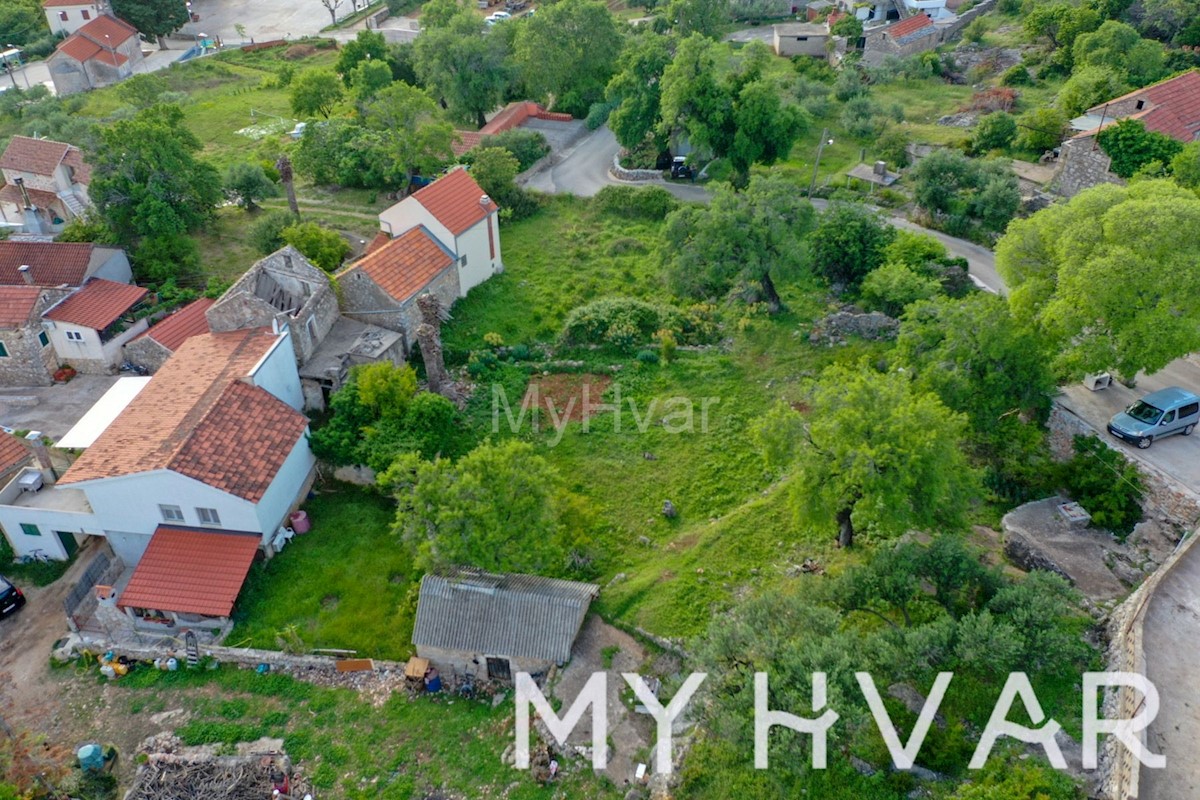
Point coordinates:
[[739, 238], [1111, 277], [409, 119], [464, 67], [147, 180], [872, 455], [156, 18], [1120, 48], [502, 507], [1131, 146], [705, 17], [315, 91], [568, 53], [365, 46], [849, 241], [637, 87]]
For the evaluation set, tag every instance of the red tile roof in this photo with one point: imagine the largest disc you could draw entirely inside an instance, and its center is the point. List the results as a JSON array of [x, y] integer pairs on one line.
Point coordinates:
[[185, 323], [13, 453], [151, 432], [63, 3], [83, 171], [191, 571], [51, 263], [908, 26], [454, 201], [11, 193], [38, 156], [1173, 106], [117, 30], [465, 142], [16, 305], [99, 40], [405, 265], [241, 442], [379, 241], [98, 304]]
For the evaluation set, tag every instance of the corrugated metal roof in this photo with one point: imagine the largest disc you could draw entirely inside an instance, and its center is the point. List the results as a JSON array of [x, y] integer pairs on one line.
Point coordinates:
[[516, 616]]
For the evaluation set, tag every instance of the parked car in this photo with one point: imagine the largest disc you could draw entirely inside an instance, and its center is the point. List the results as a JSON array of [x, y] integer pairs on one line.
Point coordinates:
[[11, 598], [1158, 414], [680, 168], [498, 16]]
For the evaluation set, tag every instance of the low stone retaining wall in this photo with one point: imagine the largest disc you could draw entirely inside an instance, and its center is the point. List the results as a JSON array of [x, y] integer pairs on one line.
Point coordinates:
[[246, 657], [620, 173]]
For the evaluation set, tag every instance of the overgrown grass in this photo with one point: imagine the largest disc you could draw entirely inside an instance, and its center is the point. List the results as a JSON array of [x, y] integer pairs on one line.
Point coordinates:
[[37, 573], [343, 585], [424, 747]]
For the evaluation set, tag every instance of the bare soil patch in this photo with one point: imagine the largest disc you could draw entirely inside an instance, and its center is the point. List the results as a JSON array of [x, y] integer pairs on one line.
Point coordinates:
[[566, 397]]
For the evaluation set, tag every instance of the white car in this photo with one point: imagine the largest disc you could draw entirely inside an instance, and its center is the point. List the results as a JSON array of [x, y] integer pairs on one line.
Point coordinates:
[[499, 16]]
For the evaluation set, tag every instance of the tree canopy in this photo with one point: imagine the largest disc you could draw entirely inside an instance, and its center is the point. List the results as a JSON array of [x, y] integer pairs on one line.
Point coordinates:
[[463, 66], [365, 46], [1131, 146], [849, 242], [568, 51], [152, 17], [947, 182], [874, 455], [501, 507], [146, 178], [323, 247], [739, 237], [247, 183], [315, 91], [1111, 277], [409, 121], [636, 89], [1120, 48]]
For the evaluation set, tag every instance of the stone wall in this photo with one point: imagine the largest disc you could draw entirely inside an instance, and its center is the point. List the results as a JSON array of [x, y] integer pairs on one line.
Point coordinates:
[[146, 352], [1082, 166], [1165, 496], [634, 175], [455, 663], [361, 297], [28, 363]]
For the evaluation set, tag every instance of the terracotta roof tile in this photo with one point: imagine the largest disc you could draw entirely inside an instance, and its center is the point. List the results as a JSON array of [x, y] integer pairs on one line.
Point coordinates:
[[51, 263], [11, 193], [17, 304], [405, 265], [83, 170], [67, 3], [911, 25], [117, 30], [98, 304], [454, 201], [152, 430], [78, 47], [465, 142], [13, 453], [191, 571], [189, 321], [381, 238], [38, 156], [242, 441]]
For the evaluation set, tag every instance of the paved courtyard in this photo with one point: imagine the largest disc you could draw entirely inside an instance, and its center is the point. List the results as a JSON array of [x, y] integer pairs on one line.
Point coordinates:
[[53, 410], [263, 19]]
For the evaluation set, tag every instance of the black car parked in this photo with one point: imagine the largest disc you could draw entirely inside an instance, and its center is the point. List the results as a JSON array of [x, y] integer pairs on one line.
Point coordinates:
[[11, 598]]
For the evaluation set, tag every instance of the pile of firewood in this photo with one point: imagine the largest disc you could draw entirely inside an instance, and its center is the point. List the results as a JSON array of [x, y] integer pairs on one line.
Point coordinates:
[[167, 776]]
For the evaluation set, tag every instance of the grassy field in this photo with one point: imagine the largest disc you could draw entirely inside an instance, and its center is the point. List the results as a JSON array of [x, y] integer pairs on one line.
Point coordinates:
[[406, 748]]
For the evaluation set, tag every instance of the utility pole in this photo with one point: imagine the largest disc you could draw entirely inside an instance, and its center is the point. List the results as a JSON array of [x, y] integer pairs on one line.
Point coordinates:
[[812, 187]]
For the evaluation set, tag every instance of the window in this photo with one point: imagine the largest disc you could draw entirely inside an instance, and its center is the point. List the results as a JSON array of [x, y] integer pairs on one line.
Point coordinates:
[[86, 15], [74, 336], [801, 38], [462, 262], [43, 338], [208, 516], [1168, 417], [62, 15], [1141, 104], [3, 351], [1189, 409], [30, 530], [171, 513], [310, 325]]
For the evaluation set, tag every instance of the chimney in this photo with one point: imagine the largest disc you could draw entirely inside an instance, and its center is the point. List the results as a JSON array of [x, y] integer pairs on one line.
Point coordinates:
[[484, 200], [20, 182], [26, 273]]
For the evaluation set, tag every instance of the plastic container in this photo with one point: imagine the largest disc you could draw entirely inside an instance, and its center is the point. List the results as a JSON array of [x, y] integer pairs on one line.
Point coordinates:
[[91, 757], [172, 665], [300, 521], [108, 672]]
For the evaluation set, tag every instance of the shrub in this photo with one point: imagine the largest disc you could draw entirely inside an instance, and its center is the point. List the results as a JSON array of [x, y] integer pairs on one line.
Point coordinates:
[[627, 324], [1107, 485], [323, 247], [636, 202], [1016, 76], [893, 286], [527, 146], [647, 356], [266, 235], [598, 115], [861, 116], [994, 132]]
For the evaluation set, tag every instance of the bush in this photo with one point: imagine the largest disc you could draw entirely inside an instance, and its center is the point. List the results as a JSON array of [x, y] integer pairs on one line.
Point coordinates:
[[598, 115], [862, 117], [994, 132], [647, 356], [1016, 76], [636, 202], [323, 247], [266, 235], [527, 146], [1107, 485], [627, 324], [893, 286]]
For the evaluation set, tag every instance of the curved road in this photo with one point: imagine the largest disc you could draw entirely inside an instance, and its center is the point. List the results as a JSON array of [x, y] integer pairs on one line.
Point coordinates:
[[583, 171]]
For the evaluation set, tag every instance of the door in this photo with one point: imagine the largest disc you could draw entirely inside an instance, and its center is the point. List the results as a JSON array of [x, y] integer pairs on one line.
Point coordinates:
[[498, 669], [68, 542]]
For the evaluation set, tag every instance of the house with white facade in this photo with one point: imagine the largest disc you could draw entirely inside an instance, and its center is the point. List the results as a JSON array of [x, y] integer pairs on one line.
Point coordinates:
[[461, 217], [45, 185], [89, 327], [67, 16], [214, 445], [444, 240]]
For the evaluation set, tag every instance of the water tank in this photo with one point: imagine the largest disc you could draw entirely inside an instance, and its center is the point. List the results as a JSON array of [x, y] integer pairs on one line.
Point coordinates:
[[300, 521], [91, 757]]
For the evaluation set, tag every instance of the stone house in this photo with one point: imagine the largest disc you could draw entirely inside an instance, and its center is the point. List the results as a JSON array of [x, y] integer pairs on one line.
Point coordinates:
[[383, 285], [14, 455], [61, 264], [152, 348], [915, 34], [1170, 107], [491, 626], [464, 221], [26, 357], [800, 39], [67, 16], [284, 291], [45, 184], [89, 327], [102, 52]]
